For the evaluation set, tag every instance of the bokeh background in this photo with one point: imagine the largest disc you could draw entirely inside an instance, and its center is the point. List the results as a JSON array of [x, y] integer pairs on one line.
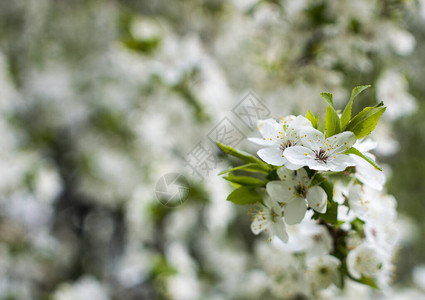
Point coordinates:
[[100, 98]]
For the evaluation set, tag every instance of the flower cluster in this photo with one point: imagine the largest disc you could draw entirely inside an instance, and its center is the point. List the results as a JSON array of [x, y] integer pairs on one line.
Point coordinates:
[[320, 174]]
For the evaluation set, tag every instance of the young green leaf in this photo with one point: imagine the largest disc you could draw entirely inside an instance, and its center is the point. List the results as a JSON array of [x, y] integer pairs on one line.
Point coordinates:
[[314, 120], [365, 121], [321, 126], [239, 154], [252, 167], [358, 225], [365, 280], [353, 150], [346, 114], [245, 180], [333, 125], [328, 97], [245, 195], [369, 281], [331, 214]]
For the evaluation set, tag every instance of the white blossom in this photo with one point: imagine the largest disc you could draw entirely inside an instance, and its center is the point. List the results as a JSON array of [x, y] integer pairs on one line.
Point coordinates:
[[285, 270], [307, 237], [322, 271], [278, 136], [295, 192], [320, 153], [269, 218], [365, 172], [364, 260]]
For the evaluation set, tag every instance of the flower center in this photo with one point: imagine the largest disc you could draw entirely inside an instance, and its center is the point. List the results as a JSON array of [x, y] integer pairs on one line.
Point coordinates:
[[321, 155], [264, 214], [300, 191], [285, 145]]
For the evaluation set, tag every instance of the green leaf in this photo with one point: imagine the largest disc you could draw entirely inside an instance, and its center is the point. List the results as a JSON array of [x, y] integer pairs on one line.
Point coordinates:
[[239, 154], [365, 121], [339, 223], [328, 97], [331, 214], [245, 180], [245, 195], [322, 125], [273, 175], [353, 150], [333, 124], [252, 167], [367, 281], [364, 280], [346, 114], [314, 120], [145, 45], [357, 225]]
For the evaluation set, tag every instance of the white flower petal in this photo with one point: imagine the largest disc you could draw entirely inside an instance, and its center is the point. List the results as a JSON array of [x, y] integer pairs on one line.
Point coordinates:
[[261, 141], [287, 120], [364, 260], [279, 229], [365, 145], [358, 201], [269, 128], [340, 163], [295, 211], [300, 121], [302, 177], [280, 191], [292, 166], [341, 142], [317, 165], [294, 128], [298, 155], [368, 174], [286, 174], [312, 138], [258, 224], [273, 156], [351, 265], [273, 205], [317, 199]]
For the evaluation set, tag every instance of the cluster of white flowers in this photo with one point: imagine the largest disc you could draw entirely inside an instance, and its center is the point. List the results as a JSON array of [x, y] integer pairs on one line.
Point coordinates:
[[293, 143], [359, 244]]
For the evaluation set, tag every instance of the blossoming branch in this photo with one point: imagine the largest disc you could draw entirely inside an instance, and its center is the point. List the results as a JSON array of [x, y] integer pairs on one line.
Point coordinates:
[[321, 171]]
